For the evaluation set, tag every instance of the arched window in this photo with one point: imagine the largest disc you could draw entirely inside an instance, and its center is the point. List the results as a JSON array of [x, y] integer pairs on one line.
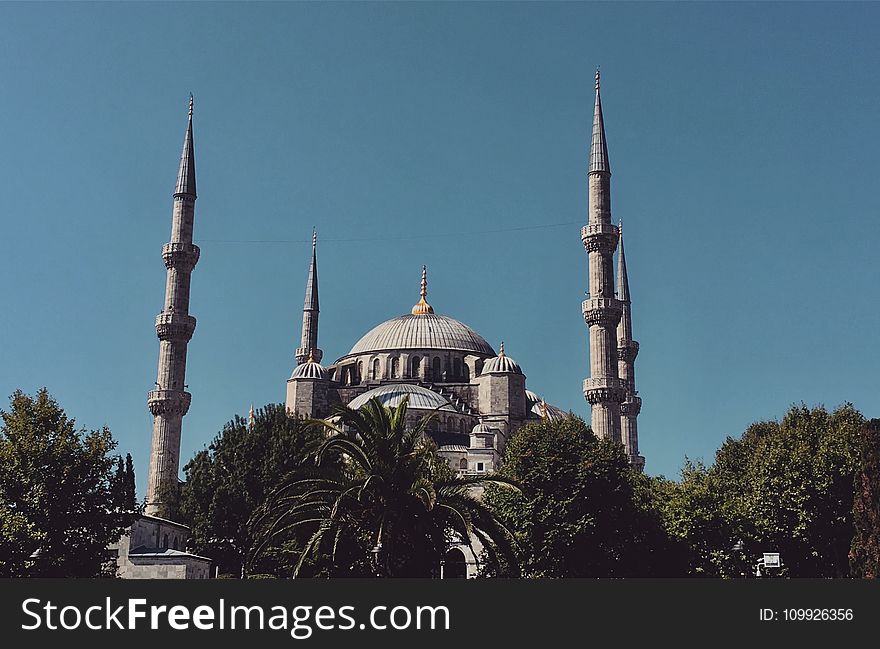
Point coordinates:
[[374, 373], [461, 426], [165, 541], [462, 464], [175, 543], [360, 372], [467, 372], [395, 367], [416, 366], [456, 364], [435, 371], [454, 565], [478, 366]]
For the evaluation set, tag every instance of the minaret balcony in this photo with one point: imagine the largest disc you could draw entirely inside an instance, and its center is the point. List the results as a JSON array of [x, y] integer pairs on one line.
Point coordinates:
[[182, 256], [632, 406], [169, 402], [600, 237], [627, 350], [602, 311], [175, 326], [604, 390]]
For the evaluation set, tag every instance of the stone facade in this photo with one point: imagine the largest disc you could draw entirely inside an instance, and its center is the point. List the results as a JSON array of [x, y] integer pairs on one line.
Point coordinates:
[[154, 548]]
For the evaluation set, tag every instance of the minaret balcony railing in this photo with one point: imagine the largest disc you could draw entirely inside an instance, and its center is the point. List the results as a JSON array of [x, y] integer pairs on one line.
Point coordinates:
[[175, 326], [602, 311], [627, 350], [600, 237], [631, 406], [604, 390], [182, 256], [168, 402]]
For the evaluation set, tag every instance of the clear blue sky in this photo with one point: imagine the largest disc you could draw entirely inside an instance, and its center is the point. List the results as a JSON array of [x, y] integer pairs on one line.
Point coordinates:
[[743, 141]]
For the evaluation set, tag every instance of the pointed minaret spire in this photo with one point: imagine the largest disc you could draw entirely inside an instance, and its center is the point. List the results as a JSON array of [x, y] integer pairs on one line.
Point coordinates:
[[186, 174], [422, 307], [251, 418], [598, 146], [622, 279], [311, 310]]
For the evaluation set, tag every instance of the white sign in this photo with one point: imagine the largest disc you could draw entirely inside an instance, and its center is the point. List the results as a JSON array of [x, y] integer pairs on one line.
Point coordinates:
[[771, 559]]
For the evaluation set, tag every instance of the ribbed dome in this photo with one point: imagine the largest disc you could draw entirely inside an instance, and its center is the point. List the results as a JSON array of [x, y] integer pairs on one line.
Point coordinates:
[[309, 370], [540, 409], [502, 364], [481, 429], [425, 331], [391, 395]]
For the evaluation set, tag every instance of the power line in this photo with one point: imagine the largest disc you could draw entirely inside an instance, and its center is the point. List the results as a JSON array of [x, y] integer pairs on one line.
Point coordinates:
[[400, 237]]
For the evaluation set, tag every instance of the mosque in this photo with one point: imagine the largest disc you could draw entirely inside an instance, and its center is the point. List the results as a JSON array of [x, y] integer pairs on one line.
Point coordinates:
[[442, 366]]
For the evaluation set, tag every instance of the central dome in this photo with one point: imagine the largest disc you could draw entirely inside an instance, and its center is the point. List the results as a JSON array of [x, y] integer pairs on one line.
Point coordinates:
[[423, 331]]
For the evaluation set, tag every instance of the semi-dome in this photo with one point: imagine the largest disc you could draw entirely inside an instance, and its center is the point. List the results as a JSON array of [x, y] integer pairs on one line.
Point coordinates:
[[502, 364], [391, 395], [423, 331], [310, 370], [540, 409]]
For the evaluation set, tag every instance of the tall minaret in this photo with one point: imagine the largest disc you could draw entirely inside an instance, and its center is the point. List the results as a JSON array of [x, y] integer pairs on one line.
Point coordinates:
[[309, 341], [602, 311], [627, 350], [169, 402]]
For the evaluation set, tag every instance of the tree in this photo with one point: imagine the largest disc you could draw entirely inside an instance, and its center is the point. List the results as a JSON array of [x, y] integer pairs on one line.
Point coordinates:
[[124, 485], [784, 486], [864, 555], [395, 502], [228, 480], [57, 505], [582, 512]]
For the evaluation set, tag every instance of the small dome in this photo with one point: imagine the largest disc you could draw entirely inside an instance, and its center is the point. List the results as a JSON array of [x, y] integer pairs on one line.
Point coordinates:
[[310, 370], [391, 395], [482, 429], [501, 364], [540, 409]]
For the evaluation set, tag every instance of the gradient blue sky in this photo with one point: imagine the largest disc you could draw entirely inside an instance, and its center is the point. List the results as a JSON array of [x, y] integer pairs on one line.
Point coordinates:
[[743, 140]]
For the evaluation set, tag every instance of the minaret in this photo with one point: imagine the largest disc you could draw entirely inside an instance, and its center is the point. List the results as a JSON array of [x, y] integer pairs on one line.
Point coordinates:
[[169, 402], [627, 350], [309, 341], [602, 311]]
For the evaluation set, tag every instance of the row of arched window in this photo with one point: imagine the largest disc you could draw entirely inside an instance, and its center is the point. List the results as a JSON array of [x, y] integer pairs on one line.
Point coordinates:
[[420, 367]]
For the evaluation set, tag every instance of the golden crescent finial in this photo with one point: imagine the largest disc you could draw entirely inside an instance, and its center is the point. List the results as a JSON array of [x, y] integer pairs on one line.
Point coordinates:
[[422, 307]]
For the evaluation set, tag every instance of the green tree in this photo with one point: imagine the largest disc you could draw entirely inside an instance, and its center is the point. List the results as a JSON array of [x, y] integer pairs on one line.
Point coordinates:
[[784, 486], [228, 480], [864, 555], [395, 501], [582, 512], [57, 503]]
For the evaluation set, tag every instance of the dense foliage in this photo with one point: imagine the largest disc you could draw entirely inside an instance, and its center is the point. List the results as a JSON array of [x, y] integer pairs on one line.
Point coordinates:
[[63, 498], [784, 487], [394, 504], [865, 550], [581, 511], [227, 481]]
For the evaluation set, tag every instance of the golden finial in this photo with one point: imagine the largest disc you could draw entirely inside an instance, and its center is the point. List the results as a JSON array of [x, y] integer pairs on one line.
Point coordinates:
[[311, 358], [597, 78], [501, 349], [423, 308], [190, 104]]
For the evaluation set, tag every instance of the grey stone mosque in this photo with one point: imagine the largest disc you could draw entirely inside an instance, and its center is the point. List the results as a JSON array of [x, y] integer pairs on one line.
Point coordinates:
[[440, 365]]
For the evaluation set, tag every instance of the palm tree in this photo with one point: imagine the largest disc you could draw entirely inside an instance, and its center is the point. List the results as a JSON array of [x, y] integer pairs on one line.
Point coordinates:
[[394, 496]]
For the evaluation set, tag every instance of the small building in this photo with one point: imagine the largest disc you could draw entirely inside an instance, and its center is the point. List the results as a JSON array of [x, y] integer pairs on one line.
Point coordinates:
[[154, 548]]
